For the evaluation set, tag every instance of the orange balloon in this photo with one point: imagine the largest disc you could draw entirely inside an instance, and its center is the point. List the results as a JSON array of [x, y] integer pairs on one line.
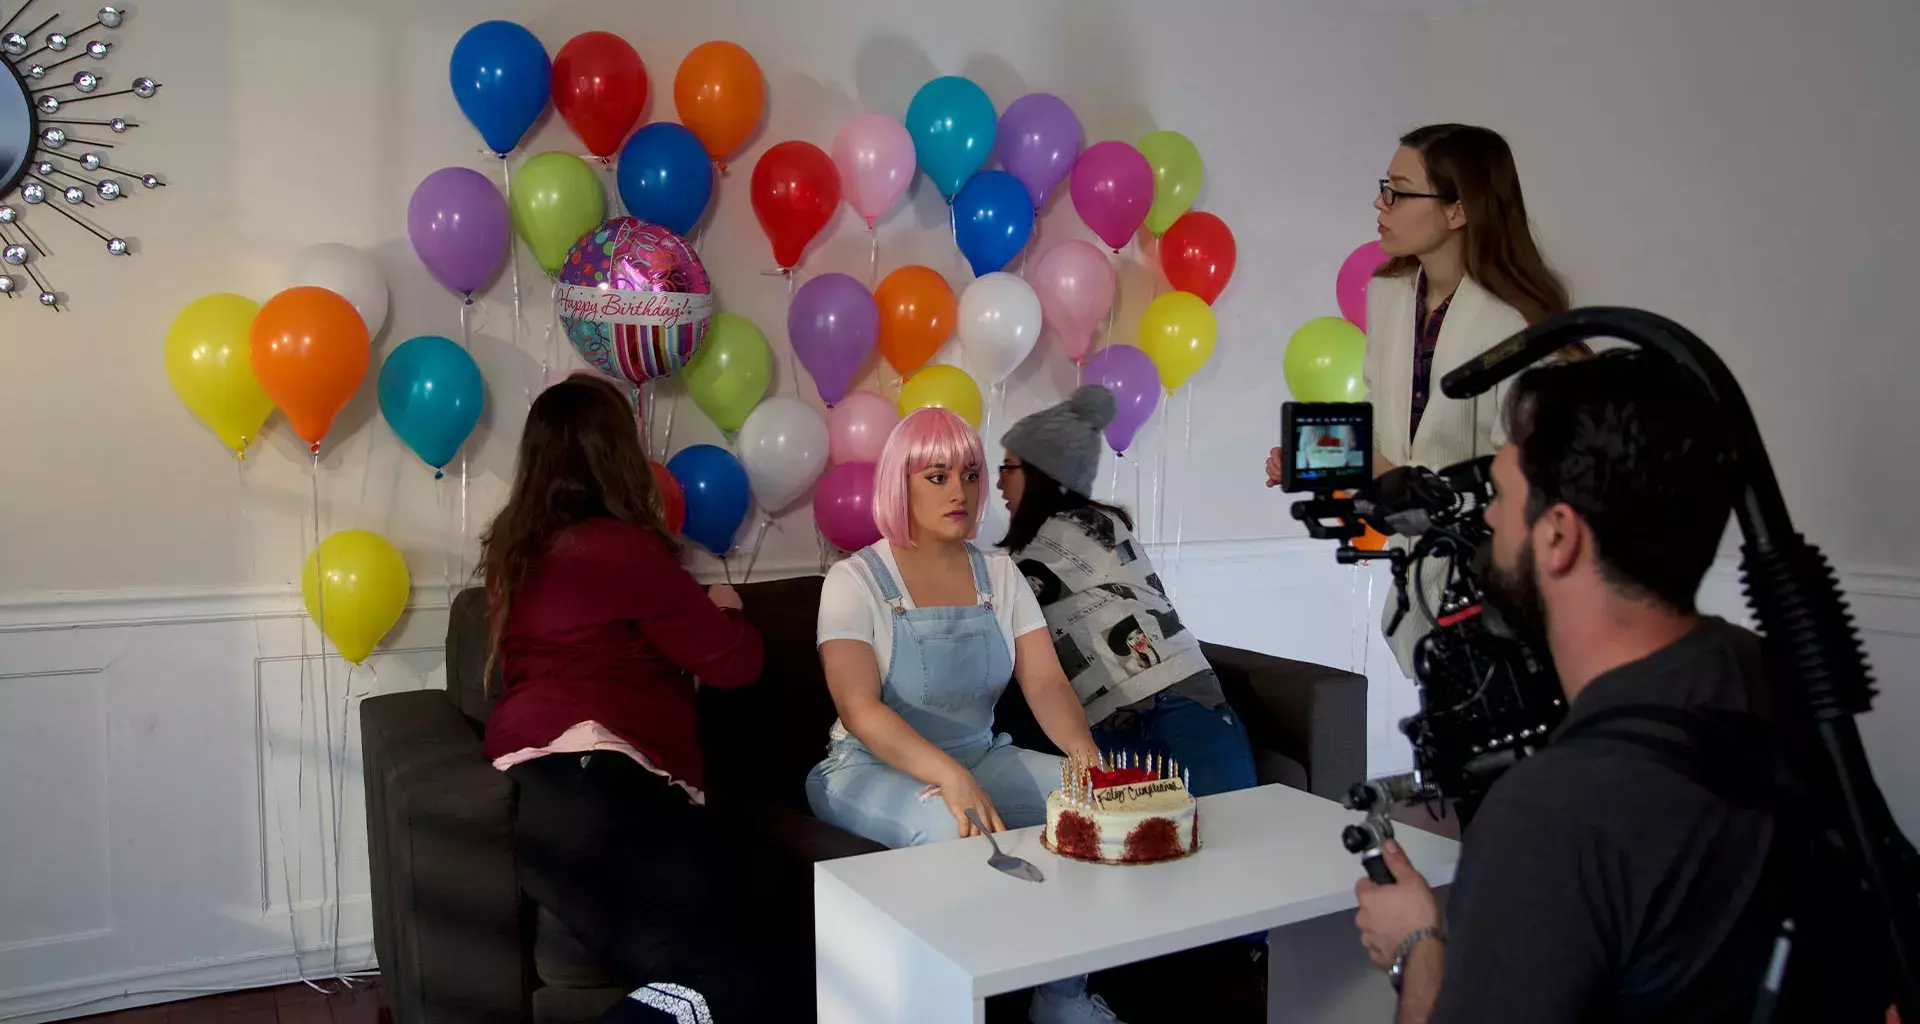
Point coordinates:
[[720, 95], [917, 316], [310, 352], [1372, 540]]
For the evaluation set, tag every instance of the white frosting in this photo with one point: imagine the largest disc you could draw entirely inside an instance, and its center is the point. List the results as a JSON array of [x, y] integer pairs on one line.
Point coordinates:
[[1119, 810]]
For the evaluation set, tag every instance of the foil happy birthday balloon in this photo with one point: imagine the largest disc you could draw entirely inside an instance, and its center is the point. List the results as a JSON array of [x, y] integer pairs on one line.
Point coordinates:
[[634, 299]]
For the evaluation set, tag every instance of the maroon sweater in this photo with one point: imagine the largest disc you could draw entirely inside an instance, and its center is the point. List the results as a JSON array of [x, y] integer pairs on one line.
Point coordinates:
[[611, 628]]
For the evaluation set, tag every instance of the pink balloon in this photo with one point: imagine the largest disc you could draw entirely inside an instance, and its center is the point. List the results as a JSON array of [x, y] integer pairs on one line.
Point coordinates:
[[874, 155], [1350, 288], [1075, 282], [858, 426], [843, 506], [1112, 190]]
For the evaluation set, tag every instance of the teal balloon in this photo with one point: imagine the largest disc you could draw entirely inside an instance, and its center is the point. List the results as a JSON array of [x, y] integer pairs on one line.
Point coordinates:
[[431, 393], [952, 124], [717, 495]]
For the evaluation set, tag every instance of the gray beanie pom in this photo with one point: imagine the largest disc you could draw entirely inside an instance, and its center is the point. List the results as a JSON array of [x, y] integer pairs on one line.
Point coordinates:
[[1064, 441]]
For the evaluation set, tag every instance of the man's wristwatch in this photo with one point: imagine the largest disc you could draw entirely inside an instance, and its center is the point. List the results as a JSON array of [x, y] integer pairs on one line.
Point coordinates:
[[1397, 972]]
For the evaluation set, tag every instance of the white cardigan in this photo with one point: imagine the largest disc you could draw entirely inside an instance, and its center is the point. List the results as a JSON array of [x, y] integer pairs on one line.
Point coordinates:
[[1451, 430]]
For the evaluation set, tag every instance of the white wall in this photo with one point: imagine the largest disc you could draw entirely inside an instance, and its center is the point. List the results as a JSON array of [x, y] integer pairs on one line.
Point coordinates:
[[162, 708], [1740, 166]]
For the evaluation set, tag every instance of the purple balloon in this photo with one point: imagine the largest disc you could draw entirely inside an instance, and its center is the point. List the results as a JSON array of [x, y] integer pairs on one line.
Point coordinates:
[[832, 325], [1135, 382], [1037, 142], [458, 222]]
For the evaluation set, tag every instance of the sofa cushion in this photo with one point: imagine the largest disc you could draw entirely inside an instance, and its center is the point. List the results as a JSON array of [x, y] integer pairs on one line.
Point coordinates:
[[761, 741], [560, 960]]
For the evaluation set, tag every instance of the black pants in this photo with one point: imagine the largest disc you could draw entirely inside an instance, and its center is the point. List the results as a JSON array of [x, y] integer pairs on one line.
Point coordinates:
[[663, 891]]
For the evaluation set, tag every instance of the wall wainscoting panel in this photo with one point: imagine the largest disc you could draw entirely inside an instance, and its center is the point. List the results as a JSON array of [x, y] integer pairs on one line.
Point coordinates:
[[182, 769]]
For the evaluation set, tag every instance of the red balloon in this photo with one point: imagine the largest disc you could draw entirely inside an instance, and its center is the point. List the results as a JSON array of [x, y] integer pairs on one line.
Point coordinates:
[[600, 87], [795, 192], [1198, 254], [673, 498]]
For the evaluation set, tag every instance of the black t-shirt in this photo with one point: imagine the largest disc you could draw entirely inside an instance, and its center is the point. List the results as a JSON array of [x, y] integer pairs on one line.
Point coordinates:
[[1594, 879]]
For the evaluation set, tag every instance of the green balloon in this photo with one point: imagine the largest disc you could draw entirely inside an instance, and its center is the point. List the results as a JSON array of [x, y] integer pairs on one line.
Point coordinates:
[[1324, 361], [1176, 177], [730, 372], [556, 200]]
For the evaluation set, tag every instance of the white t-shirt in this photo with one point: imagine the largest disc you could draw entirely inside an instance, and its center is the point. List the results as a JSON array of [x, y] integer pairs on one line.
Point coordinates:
[[852, 608]]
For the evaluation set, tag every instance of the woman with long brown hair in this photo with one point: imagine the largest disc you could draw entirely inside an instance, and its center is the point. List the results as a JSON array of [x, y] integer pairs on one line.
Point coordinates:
[[599, 633], [1465, 274]]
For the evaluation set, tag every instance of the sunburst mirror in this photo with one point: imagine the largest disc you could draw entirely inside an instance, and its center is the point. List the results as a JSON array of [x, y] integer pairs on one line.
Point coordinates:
[[58, 171]]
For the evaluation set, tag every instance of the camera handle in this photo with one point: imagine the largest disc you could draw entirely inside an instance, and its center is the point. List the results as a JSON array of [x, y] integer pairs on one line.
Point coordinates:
[[1791, 589]]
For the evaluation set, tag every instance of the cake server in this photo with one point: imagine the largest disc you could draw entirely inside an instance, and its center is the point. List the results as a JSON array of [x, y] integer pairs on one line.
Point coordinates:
[[1001, 862]]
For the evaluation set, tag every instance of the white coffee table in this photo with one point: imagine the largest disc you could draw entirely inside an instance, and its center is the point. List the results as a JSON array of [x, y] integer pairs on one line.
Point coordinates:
[[925, 935]]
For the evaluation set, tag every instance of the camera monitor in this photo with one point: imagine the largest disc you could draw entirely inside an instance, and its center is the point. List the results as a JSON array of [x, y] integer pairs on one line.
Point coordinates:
[[1328, 445]]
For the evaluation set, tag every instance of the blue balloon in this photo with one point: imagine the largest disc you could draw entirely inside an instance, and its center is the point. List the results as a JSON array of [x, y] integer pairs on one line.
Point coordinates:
[[431, 393], [717, 495], [952, 122], [992, 220], [666, 177], [501, 78]]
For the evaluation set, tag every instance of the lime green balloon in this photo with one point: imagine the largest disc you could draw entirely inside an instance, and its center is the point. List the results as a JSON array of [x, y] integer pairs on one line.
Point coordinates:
[[729, 374], [1324, 361], [556, 199], [1177, 172]]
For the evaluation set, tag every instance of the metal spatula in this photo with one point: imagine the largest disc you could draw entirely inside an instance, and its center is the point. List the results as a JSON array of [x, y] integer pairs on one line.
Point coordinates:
[[1002, 862]]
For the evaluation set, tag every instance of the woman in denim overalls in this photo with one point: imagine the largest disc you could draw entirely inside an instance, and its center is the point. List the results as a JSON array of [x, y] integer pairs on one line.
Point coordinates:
[[919, 633]]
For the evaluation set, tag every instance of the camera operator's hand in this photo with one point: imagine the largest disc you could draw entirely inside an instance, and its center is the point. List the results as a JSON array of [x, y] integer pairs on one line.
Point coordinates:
[[1390, 913], [1276, 463]]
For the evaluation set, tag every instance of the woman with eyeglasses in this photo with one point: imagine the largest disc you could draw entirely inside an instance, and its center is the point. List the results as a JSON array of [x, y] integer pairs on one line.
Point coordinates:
[[1465, 275]]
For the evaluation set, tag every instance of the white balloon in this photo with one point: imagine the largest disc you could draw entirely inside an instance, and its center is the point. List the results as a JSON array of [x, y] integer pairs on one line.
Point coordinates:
[[783, 445], [999, 324], [347, 272]]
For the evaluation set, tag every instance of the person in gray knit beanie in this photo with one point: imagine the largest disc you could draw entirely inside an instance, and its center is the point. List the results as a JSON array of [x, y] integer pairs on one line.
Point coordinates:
[[1138, 670], [1064, 441]]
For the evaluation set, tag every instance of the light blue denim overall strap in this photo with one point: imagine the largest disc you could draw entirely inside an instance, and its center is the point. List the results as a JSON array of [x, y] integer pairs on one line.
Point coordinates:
[[947, 666]]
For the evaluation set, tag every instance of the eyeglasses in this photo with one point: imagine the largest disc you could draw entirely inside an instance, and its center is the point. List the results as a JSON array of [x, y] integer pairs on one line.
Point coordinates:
[[1010, 467], [1390, 195]]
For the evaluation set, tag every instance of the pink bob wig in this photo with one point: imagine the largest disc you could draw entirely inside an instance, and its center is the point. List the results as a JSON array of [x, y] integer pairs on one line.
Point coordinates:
[[929, 437]]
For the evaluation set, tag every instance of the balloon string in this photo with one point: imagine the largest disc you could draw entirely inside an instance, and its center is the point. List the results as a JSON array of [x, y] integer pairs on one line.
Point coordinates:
[[873, 256], [643, 411], [666, 446], [319, 569], [1159, 476], [754, 555], [546, 337], [1180, 503], [513, 260], [613, 188], [793, 368], [1113, 481]]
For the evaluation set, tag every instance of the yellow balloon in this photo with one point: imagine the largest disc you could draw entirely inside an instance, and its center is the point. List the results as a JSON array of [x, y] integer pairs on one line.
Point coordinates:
[[942, 387], [366, 590], [210, 365], [1177, 332]]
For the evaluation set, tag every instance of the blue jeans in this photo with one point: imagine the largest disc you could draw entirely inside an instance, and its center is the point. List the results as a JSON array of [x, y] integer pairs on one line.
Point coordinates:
[[853, 789], [1210, 743]]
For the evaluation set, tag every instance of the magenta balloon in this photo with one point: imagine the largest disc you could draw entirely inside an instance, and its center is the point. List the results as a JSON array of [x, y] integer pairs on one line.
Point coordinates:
[[1112, 191], [833, 324], [457, 221], [1135, 382], [843, 506], [857, 428], [1350, 289], [1037, 141]]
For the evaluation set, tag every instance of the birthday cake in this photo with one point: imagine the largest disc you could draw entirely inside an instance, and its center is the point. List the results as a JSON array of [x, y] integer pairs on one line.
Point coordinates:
[[1134, 809]]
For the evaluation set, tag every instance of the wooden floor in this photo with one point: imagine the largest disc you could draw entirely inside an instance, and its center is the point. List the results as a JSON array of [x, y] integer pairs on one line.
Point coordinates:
[[288, 1004]]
